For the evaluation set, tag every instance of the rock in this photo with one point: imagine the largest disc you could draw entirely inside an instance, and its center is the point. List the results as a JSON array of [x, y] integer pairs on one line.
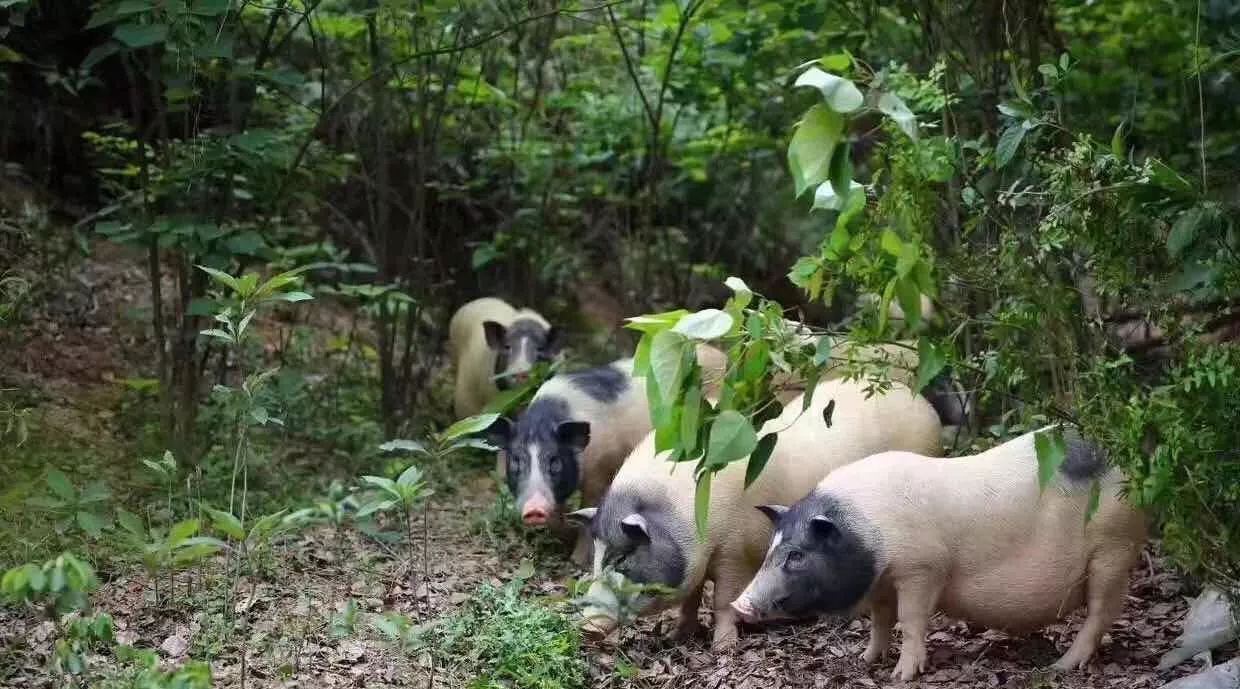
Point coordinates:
[[176, 645], [1210, 622], [1225, 676]]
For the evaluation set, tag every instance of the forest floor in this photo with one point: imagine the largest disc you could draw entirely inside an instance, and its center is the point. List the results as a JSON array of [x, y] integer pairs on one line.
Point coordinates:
[[279, 632]]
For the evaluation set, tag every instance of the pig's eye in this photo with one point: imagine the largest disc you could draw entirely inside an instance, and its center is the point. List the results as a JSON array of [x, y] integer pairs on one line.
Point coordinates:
[[795, 558], [554, 465]]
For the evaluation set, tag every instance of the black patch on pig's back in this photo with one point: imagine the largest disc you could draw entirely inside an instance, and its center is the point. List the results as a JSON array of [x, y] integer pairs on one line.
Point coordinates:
[[663, 560], [604, 383], [845, 565], [1083, 459]]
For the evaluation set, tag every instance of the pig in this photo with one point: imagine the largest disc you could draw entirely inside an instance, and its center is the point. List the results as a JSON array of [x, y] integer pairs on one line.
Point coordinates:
[[493, 345], [644, 530], [905, 535], [575, 434]]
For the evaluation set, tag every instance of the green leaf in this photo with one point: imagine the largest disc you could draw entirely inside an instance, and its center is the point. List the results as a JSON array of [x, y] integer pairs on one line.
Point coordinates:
[[217, 333], [892, 106], [98, 54], [248, 243], [884, 306], [891, 243], [223, 278], [841, 171], [701, 504], [209, 8], [182, 531], [1118, 147], [470, 425], [707, 324], [227, 524], [1009, 141], [667, 363], [60, 485], [691, 418], [382, 483], [825, 197], [130, 522], [757, 459], [930, 362], [731, 438], [655, 322], [1051, 450], [294, 297], [401, 445], [376, 506], [812, 145], [1185, 230], [409, 477], [90, 523], [840, 94], [837, 62], [740, 291], [910, 300], [141, 35], [822, 350], [95, 491]]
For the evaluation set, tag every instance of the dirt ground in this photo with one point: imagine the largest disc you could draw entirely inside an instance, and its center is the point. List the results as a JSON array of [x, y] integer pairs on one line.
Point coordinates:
[[284, 641]]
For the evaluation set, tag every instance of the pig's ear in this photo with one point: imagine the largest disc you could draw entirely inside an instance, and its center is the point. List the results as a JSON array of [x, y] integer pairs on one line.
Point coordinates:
[[495, 334], [772, 512], [634, 526], [582, 517], [575, 434], [822, 527], [499, 433]]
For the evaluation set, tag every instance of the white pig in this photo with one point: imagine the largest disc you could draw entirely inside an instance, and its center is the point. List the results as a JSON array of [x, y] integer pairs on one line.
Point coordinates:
[[493, 345], [974, 537], [644, 529]]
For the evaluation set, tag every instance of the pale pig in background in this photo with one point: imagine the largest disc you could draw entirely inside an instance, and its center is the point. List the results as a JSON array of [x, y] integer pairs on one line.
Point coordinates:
[[974, 537], [644, 530], [575, 434], [493, 345]]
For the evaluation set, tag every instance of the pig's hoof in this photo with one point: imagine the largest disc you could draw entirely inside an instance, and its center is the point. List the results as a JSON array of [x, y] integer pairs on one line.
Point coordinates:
[[724, 642], [907, 669], [1068, 663], [872, 654]]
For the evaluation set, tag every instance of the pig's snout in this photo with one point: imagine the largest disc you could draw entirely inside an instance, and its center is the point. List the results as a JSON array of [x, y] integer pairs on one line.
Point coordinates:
[[746, 610], [535, 516], [521, 378], [537, 512]]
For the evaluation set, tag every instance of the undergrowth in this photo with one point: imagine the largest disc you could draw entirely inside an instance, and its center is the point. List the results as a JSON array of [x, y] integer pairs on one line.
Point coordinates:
[[503, 640]]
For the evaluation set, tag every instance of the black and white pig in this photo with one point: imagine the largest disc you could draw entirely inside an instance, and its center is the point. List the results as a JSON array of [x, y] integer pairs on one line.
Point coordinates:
[[575, 434], [644, 530], [905, 535], [493, 345]]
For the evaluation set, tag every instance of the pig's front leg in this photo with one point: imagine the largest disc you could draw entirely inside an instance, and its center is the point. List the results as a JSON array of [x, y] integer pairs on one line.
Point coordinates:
[[916, 598], [729, 583], [689, 625], [882, 619], [583, 549]]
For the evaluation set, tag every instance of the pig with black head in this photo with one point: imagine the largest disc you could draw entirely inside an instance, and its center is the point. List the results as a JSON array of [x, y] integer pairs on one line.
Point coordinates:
[[904, 536], [644, 532], [494, 346], [574, 436]]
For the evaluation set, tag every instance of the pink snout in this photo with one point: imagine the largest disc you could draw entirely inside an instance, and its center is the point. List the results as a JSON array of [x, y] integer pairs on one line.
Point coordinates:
[[745, 610], [536, 513]]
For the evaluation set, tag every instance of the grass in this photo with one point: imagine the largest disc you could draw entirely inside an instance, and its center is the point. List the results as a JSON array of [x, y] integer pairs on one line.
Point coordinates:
[[501, 640]]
